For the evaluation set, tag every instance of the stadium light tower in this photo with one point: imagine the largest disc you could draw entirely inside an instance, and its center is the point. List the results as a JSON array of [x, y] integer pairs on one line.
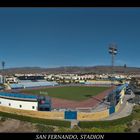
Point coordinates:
[[113, 51], [3, 65]]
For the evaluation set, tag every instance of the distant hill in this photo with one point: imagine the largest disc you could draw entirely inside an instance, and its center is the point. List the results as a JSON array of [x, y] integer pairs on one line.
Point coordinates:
[[73, 69]]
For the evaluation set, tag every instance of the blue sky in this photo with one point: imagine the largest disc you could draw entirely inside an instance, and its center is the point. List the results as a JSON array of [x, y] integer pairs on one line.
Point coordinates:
[[53, 37]]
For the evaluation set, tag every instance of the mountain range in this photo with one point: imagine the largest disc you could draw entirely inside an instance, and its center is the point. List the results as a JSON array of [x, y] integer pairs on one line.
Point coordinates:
[[73, 69]]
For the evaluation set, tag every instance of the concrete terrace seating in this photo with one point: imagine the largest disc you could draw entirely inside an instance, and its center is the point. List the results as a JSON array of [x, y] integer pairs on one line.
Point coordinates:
[[17, 95], [16, 86], [98, 82], [30, 84]]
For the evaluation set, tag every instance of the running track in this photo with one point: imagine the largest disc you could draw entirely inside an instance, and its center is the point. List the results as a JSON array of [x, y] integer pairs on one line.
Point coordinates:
[[92, 102]]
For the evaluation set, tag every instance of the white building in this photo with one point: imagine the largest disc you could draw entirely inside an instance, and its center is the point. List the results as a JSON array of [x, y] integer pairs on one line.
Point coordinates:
[[1, 79], [11, 80], [18, 101]]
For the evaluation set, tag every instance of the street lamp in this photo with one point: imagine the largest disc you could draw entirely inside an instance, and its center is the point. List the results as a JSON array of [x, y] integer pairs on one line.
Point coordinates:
[[3, 65]]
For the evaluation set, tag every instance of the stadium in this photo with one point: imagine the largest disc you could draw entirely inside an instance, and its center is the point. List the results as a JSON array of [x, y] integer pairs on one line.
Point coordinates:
[[72, 101]]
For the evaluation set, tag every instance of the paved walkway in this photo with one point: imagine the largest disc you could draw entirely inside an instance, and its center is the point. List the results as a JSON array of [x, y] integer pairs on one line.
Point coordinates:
[[125, 109]]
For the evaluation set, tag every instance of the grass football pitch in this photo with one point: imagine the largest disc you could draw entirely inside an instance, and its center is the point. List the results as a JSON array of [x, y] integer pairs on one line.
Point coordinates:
[[77, 93]]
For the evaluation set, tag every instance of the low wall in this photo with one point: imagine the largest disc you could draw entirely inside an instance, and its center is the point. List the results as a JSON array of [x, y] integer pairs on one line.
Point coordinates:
[[114, 109], [122, 93], [117, 107], [92, 116], [38, 114]]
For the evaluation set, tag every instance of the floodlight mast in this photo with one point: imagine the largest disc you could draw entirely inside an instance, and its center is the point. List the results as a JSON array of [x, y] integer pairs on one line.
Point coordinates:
[[113, 51]]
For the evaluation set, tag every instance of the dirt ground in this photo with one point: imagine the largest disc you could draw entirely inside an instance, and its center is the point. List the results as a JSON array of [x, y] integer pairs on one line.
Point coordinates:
[[16, 126], [12, 125], [135, 126]]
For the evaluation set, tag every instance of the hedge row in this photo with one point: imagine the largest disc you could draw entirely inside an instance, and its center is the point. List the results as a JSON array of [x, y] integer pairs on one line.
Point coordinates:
[[37, 120], [98, 124]]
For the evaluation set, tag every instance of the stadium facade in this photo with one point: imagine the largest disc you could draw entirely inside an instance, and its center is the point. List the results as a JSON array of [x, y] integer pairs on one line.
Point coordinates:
[[25, 102]]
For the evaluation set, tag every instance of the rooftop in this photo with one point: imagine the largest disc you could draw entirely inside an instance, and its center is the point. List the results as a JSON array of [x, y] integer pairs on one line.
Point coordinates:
[[18, 95]]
